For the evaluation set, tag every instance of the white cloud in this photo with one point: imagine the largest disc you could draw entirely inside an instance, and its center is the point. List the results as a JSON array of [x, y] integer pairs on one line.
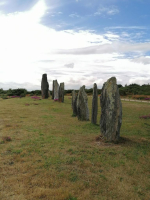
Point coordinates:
[[145, 60], [107, 11], [3, 3], [15, 85], [114, 47], [70, 65], [126, 27], [111, 36], [74, 15], [28, 49], [140, 80]]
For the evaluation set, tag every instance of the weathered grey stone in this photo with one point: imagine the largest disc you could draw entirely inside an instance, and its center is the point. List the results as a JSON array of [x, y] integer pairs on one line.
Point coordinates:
[[44, 86], [111, 111], [61, 92], [56, 90], [74, 103], [53, 90], [94, 104], [82, 105], [83, 86]]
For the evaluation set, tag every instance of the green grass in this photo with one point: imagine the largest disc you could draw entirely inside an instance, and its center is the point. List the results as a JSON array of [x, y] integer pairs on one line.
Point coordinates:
[[53, 156]]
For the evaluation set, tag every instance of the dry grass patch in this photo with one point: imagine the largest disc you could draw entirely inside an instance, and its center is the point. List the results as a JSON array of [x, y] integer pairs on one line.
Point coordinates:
[[53, 156]]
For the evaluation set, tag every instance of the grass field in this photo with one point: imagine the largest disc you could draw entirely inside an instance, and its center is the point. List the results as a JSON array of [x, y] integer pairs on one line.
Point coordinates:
[[53, 156]]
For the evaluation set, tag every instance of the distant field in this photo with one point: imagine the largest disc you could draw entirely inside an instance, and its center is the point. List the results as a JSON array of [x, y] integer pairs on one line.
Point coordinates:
[[53, 156]]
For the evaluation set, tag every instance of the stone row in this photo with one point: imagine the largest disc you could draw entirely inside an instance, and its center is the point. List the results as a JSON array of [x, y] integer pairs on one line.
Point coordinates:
[[110, 102], [111, 108], [57, 91]]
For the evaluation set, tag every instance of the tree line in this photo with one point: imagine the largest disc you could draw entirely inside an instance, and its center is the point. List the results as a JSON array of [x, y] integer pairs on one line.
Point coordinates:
[[132, 89]]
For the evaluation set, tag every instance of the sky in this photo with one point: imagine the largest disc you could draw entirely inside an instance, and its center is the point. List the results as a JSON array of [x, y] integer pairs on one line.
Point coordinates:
[[77, 42]]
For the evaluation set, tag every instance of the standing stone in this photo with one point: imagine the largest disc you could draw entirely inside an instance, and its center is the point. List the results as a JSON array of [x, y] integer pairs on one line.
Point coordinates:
[[61, 92], [94, 105], [111, 111], [83, 87], [53, 90], [82, 105], [44, 86], [74, 103], [56, 90]]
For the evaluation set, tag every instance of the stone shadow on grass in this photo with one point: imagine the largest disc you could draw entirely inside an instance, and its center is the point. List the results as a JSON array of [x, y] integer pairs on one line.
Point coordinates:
[[125, 142]]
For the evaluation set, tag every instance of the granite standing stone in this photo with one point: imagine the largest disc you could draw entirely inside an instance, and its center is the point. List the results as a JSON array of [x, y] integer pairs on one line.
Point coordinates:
[[44, 86], [56, 90], [111, 111], [61, 92], [94, 105], [53, 90], [74, 103], [82, 105]]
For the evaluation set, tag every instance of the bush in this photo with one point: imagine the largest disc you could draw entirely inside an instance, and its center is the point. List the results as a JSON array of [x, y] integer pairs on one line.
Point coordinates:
[[4, 96], [122, 92], [22, 95]]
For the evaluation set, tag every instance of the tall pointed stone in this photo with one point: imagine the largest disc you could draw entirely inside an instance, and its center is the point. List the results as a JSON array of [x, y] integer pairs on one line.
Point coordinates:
[[94, 104], [82, 105], [74, 103], [44, 86], [61, 92], [56, 90], [111, 111], [53, 90]]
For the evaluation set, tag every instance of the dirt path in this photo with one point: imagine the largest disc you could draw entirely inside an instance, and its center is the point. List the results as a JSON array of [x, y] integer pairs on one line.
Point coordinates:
[[135, 100]]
